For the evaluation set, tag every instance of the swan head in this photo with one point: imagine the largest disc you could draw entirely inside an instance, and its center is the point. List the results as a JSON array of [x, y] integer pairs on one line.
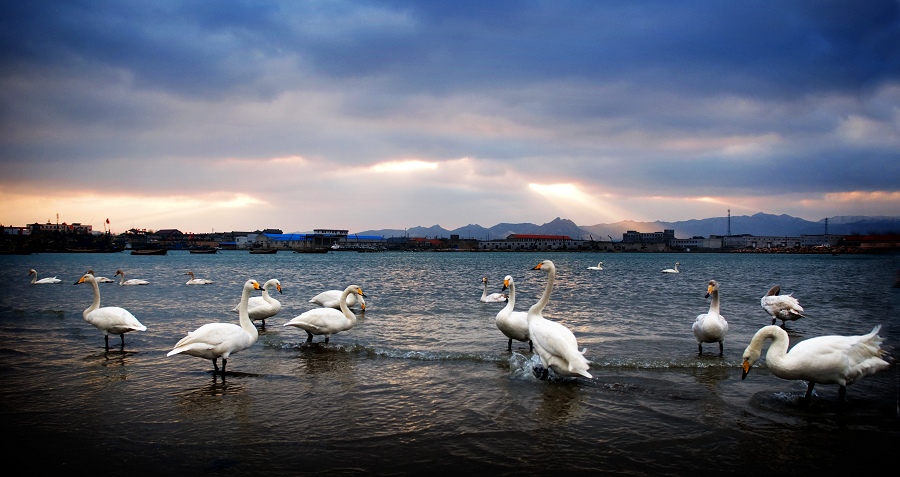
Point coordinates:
[[751, 355], [252, 284], [484, 280], [507, 282], [32, 272], [278, 286], [190, 273], [90, 271], [774, 291], [87, 277], [119, 272], [545, 265], [712, 287]]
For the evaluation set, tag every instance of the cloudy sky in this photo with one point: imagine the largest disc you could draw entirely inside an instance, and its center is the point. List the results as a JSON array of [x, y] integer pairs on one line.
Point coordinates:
[[242, 115]]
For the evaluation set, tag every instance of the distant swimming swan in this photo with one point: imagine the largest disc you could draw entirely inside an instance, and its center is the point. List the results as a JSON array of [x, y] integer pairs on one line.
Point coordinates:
[[672, 270], [493, 297], [133, 281], [100, 279], [197, 281], [598, 267], [42, 281]]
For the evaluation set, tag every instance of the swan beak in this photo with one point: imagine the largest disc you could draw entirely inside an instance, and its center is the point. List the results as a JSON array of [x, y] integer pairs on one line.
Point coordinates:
[[505, 285], [745, 368], [256, 286], [279, 288], [80, 280], [538, 266], [360, 292], [708, 292]]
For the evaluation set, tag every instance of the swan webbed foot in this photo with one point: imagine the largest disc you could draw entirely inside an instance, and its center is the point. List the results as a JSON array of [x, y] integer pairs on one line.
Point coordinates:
[[540, 372]]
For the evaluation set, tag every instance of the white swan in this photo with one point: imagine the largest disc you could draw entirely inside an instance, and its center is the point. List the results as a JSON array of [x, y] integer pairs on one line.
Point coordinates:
[[100, 279], [493, 297], [672, 270], [332, 299], [513, 324], [840, 360], [554, 343], [42, 281], [710, 327], [221, 340], [598, 267], [781, 307], [132, 281], [327, 321], [261, 307], [109, 319], [197, 281]]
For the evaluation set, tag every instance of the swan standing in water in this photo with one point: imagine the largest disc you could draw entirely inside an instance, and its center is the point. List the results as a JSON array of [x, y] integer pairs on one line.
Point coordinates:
[[133, 281], [710, 327], [261, 307], [109, 319], [100, 279], [598, 267], [672, 270], [554, 343], [513, 324], [197, 281], [781, 307], [220, 340], [840, 360], [42, 281], [327, 321], [493, 297], [332, 299]]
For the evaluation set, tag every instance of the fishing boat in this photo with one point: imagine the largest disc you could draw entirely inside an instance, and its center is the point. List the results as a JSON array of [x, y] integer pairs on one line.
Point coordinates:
[[204, 250], [150, 251], [266, 251]]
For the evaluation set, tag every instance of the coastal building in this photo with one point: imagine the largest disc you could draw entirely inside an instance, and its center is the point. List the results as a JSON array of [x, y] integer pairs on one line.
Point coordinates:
[[632, 236], [531, 242]]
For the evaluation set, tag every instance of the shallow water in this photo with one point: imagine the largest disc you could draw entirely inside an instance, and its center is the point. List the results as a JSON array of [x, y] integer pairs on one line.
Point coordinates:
[[424, 381]]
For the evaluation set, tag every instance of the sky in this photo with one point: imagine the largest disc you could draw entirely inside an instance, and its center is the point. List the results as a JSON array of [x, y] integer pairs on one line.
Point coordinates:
[[363, 115]]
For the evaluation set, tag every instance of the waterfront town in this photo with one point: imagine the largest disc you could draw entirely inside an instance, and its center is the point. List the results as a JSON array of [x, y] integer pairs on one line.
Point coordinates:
[[76, 237]]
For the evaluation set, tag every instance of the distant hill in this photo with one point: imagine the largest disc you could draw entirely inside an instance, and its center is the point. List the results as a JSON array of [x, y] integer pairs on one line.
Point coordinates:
[[757, 224]]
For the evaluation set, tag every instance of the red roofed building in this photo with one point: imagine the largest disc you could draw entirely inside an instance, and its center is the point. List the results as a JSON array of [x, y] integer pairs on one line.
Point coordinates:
[[531, 242]]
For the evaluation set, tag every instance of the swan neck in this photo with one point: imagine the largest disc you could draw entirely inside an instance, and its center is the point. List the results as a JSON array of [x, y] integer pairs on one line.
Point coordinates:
[[344, 309], [96, 303], [538, 307], [511, 301], [714, 303], [244, 315]]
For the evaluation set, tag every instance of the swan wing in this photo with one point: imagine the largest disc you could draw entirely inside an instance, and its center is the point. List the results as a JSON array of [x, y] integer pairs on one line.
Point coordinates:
[[208, 337], [115, 320], [321, 321], [513, 324], [558, 348]]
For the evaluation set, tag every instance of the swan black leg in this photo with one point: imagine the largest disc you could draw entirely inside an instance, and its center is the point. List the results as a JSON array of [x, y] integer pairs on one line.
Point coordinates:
[[809, 389], [699, 349], [122, 346], [530, 346], [106, 341], [721, 348], [509, 346], [263, 324], [774, 320], [215, 366], [308, 337], [326, 339], [223, 366], [842, 391]]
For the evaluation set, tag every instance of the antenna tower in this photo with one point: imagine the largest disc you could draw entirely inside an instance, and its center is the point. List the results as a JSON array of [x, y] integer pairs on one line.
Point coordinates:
[[729, 222]]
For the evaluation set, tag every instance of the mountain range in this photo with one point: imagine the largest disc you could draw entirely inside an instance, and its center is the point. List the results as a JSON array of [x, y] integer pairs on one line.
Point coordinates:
[[758, 224]]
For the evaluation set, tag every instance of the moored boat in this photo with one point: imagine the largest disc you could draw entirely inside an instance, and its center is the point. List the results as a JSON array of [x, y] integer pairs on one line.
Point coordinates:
[[150, 251]]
